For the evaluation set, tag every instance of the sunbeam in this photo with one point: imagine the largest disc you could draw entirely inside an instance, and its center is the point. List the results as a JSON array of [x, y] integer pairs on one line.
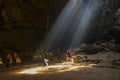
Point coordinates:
[[72, 24]]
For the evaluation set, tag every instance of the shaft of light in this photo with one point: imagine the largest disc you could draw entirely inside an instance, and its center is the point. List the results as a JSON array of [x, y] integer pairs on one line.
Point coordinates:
[[72, 24]]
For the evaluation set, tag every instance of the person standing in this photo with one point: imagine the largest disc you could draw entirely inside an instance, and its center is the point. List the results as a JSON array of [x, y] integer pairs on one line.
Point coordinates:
[[8, 57], [14, 58], [46, 62]]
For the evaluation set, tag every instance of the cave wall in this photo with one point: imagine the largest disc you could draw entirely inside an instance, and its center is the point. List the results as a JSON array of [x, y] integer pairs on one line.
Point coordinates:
[[24, 23]]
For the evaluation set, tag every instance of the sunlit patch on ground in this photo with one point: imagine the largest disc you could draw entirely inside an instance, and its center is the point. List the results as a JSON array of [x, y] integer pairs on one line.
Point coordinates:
[[58, 68], [30, 71]]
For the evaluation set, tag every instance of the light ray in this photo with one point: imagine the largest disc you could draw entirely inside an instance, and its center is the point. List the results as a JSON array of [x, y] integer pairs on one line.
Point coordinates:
[[72, 24]]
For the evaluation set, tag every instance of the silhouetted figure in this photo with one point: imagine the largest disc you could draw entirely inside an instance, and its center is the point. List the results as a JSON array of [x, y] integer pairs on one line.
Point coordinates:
[[14, 58], [68, 53], [8, 57]]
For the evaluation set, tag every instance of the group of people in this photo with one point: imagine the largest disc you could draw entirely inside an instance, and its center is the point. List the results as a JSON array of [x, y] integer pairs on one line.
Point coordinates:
[[9, 57], [69, 59]]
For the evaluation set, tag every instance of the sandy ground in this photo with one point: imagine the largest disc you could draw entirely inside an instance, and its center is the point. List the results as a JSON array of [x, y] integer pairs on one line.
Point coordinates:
[[104, 70], [62, 72]]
